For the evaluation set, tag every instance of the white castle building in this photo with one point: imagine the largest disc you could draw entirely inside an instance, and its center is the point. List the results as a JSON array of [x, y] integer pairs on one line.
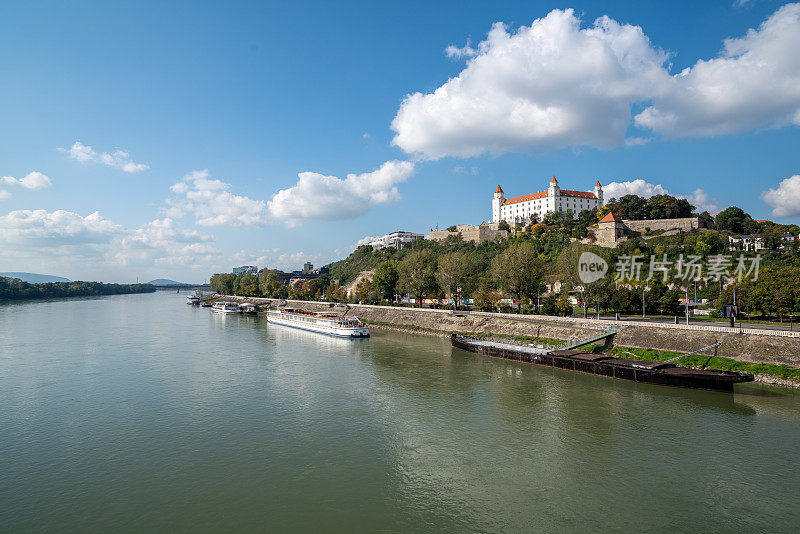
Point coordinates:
[[520, 209]]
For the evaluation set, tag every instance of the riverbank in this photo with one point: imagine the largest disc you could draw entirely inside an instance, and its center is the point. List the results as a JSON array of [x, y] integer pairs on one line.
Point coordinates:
[[772, 357], [14, 289]]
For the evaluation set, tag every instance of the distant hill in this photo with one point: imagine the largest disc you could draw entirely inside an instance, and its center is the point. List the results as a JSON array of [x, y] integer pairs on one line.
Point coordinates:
[[165, 282], [33, 278]]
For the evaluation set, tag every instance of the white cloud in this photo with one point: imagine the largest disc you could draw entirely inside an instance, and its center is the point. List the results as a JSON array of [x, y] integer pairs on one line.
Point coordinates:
[[328, 198], [212, 204], [755, 82], [163, 243], [119, 159], [616, 190], [4, 195], [458, 53], [784, 199], [37, 228], [638, 187], [547, 85], [33, 181], [79, 152], [701, 201], [554, 84]]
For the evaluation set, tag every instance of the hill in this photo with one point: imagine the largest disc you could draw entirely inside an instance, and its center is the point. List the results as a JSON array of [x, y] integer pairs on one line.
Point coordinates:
[[165, 282], [33, 278]]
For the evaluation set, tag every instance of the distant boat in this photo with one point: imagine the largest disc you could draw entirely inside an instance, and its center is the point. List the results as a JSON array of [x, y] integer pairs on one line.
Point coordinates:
[[226, 308], [248, 308], [194, 300], [324, 323]]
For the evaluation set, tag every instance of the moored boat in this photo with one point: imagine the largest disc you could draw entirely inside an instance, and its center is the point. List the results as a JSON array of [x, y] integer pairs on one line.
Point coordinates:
[[226, 308], [324, 323], [664, 373]]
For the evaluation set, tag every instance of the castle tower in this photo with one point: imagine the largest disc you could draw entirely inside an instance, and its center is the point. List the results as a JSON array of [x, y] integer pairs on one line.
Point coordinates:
[[598, 192], [552, 191], [497, 202]]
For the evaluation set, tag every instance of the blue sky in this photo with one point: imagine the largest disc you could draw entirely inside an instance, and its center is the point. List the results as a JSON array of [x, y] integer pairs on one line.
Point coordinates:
[[198, 114]]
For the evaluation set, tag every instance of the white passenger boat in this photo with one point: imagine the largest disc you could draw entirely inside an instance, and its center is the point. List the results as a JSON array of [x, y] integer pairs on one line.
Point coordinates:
[[331, 324], [226, 307]]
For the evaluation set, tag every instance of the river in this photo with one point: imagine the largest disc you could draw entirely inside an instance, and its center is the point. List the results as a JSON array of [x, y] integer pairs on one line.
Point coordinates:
[[137, 412]]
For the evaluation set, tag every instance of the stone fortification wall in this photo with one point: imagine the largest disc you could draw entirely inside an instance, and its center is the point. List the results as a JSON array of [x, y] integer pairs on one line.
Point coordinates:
[[685, 225]]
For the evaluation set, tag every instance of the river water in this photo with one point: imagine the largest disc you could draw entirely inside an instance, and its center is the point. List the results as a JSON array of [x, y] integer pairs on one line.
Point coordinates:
[[138, 412]]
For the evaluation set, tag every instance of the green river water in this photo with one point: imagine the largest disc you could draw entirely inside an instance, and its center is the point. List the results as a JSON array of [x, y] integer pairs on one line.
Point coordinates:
[[140, 413]]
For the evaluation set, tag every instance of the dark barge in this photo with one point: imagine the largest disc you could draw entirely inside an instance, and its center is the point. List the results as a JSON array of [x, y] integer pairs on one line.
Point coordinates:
[[664, 373]]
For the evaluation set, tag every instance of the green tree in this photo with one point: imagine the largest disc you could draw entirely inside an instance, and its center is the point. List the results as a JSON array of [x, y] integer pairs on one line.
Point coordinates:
[[633, 207], [247, 285], [456, 275], [268, 283], [385, 280], [364, 291], [417, 274], [518, 271], [735, 220]]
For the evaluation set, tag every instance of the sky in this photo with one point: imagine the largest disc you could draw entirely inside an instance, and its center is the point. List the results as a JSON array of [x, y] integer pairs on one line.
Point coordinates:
[[146, 140]]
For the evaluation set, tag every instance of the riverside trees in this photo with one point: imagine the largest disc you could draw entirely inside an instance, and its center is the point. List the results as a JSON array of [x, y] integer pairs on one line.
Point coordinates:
[[519, 271], [417, 274]]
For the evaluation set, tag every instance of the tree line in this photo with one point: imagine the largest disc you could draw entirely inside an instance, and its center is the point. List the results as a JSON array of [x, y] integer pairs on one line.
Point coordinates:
[[16, 289]]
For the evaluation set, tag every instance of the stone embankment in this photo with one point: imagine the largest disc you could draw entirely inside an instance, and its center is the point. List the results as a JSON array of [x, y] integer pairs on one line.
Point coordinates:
[[756, 346]]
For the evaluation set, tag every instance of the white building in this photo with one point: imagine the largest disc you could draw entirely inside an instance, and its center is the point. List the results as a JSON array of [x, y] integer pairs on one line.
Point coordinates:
[[246, 269], [395, 240], [520, 209]]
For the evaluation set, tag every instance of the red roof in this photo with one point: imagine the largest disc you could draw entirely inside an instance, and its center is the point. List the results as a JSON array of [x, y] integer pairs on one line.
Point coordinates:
[[525, 198], [597, 184], [609, 218], [543, 194], [580, 194], [499, 189], [553, 179]]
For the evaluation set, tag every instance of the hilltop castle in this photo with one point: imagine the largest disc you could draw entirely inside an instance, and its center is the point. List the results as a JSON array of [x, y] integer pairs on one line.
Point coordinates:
[[520, 209]]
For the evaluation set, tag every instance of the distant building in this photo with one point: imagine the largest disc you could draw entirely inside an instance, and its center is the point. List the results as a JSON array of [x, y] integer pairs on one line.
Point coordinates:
[[537, 205], [479, 234], [755, 242], [246, 269], [308, 267], [395, 240]]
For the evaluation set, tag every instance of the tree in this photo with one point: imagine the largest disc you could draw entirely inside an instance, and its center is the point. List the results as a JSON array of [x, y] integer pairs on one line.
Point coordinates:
[[518, 271], [334, 292], [734, 220], [503, 225], [668, 207], [223, 283], [455, 274], [417, 274], [486, 298], [364, 290], [385, 280], [268, 283], [633, 207], [248, 285]]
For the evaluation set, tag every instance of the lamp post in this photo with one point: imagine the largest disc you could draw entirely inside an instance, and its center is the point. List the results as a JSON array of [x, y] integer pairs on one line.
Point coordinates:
[[644, 314]]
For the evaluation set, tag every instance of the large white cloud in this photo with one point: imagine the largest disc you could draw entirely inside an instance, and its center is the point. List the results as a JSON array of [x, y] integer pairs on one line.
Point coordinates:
[[554, 84], [37, 228], [328, 198], [118, 158], [212, 204], [784, 199], [755, 82], [548, 85]]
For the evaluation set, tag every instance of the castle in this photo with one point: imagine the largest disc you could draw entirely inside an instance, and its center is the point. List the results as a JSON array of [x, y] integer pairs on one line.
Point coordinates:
[[536, 205]]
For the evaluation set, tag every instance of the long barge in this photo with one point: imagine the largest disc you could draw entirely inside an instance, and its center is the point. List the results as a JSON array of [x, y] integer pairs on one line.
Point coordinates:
[[663, 373]]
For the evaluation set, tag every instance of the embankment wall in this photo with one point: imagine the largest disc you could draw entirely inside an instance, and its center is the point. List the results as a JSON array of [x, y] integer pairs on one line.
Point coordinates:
[[763, 347]]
